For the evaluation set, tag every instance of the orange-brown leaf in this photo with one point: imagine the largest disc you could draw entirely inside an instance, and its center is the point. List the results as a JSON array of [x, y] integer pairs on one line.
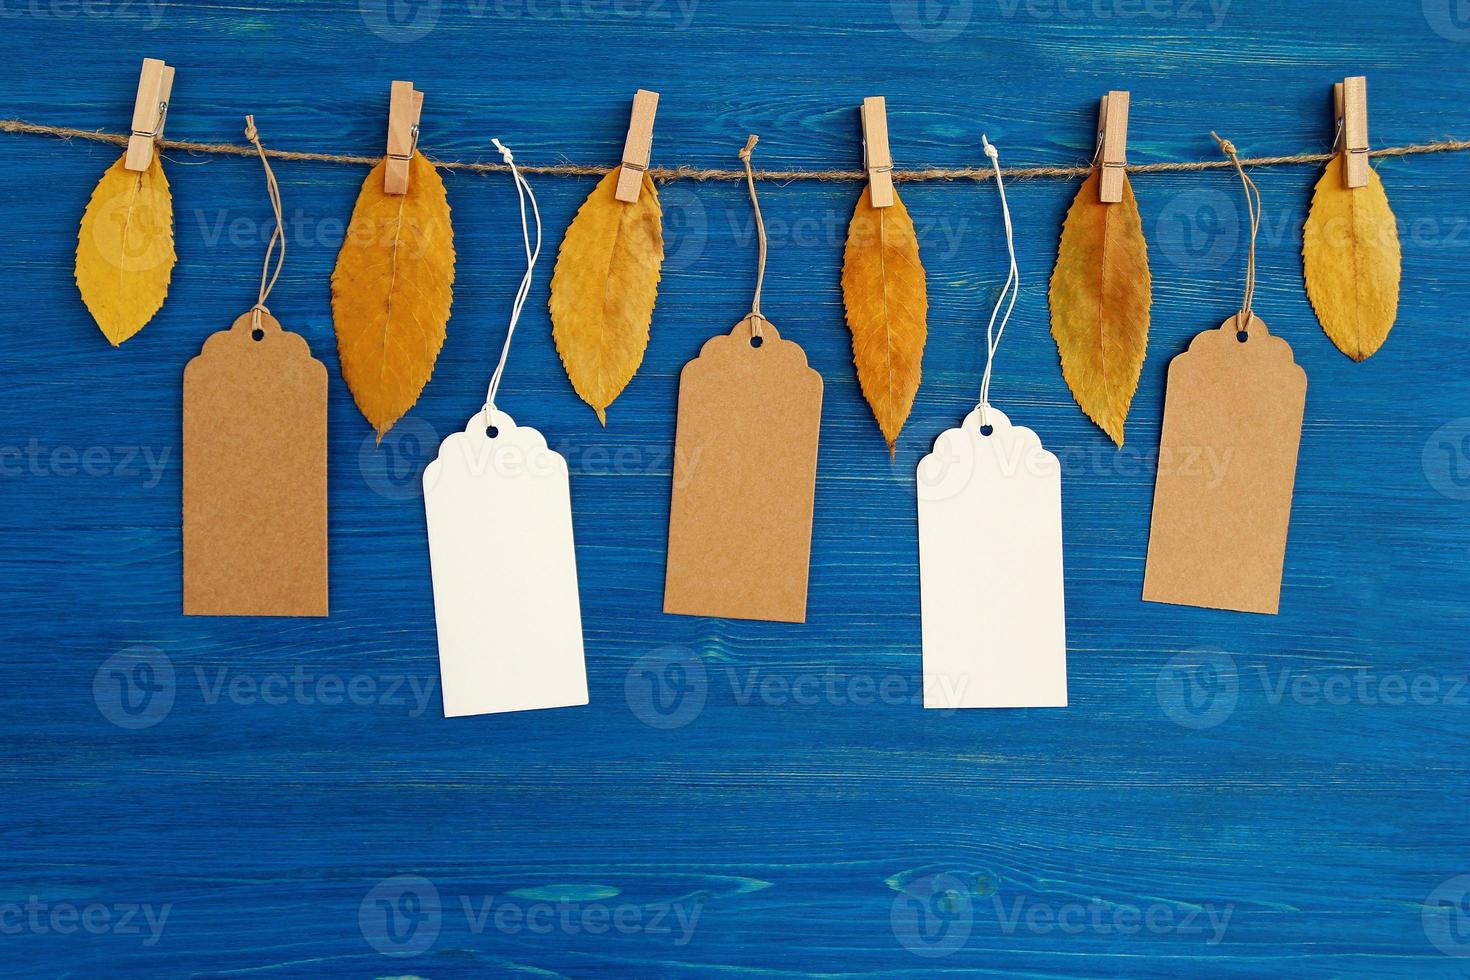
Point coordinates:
[[604, 288], [1350, 253], [391, 292], [1100, 299], [884, 291], [125, 249]]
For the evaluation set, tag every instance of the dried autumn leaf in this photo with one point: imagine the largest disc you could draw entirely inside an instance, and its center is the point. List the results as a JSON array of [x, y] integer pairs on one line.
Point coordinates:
[[125, 249], [604, 288], [391, 292], [1100, 298], [883, 290], [1350, 252]]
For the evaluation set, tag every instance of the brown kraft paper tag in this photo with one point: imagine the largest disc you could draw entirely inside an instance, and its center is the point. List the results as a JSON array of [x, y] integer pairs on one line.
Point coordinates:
[[745, 471], [255, 475], [1227, 464]]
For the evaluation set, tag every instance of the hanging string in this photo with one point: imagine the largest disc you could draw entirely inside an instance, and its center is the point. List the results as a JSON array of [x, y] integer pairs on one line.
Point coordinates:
[[665, 174], [278, 237], [523, 192], [760, 231], [1253, 208], [1012, 286]]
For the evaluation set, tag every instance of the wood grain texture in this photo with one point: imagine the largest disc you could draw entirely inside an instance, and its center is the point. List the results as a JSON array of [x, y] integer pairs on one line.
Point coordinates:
[[1322, 825]]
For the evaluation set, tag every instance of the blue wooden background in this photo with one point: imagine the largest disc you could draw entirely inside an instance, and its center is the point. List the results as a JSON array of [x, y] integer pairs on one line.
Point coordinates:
[[1228, 795]]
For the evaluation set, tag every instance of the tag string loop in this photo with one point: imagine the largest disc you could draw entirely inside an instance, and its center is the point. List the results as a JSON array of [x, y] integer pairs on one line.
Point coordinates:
[[1253, 209], [278, 237], [1012, 287], [523, 192], [760, 231]]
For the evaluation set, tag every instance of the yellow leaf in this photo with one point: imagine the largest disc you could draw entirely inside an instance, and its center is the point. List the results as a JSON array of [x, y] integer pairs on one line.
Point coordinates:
[[883, 289], [603, 290], [125, 249], [391, 292], [1100, 298], [1350, 251]]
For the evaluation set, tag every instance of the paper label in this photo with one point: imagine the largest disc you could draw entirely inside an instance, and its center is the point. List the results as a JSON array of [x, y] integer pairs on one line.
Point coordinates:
[[745, 472], [255, 475], [990, 569], [509, 619], [1227, 465]]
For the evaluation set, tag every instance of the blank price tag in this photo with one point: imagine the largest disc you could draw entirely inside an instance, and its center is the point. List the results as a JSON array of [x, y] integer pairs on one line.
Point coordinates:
[[745, 472], [255, 475], [1227, 465], [509, 620], [990, 569]]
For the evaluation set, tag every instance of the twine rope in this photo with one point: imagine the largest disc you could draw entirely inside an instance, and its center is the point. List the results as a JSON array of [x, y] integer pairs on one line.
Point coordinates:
[[665, 174], [760, 232], [278, 237], [1253, 209]]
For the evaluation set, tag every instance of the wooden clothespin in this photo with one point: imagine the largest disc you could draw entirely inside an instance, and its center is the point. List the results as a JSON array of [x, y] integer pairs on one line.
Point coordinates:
[[877, 160], [404, 108], [1112, 129], [150, 111], [1350, 107], [638, 147]]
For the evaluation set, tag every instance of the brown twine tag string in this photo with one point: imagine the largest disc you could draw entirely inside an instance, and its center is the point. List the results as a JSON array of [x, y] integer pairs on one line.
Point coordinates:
[[1253, 208], [267, 277], [760, 231]]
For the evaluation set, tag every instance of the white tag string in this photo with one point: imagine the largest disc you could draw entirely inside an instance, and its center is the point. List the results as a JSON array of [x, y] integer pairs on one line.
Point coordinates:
[[523, 191], [1012, 286]]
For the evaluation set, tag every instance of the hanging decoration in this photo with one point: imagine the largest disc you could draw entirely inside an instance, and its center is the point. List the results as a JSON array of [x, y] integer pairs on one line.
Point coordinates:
[[394, 281], [254, 508], [1100, 287], [1227, 458], [883, 286], [745, 469], [607, 273], [1350, 243], [125, 247], [497, 503], [255, 460], [990, 547]]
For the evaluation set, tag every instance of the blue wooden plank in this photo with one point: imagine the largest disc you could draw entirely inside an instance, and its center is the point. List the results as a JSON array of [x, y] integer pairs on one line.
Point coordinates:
[[1229, 795]]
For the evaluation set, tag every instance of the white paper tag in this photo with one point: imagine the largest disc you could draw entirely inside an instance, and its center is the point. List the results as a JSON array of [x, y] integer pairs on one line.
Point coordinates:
[[990, 569], [505, 572]]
